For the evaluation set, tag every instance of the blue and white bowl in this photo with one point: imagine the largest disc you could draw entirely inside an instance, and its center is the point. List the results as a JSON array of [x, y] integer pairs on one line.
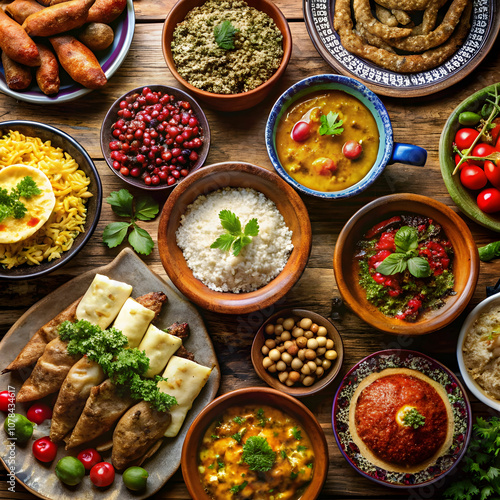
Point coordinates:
[[388, 152]]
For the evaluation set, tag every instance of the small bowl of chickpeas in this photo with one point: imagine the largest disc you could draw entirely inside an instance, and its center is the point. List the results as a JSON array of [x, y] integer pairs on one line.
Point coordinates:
[[297, 351]]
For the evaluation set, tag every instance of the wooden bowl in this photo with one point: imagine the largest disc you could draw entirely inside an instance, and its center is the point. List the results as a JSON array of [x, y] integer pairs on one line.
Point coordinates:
[[272, 378], [227, 102], [465, 263], [235, 175], [257, 396]]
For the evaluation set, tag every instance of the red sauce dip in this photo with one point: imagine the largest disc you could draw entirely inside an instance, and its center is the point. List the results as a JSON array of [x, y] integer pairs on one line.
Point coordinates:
[[376, 424], [33, 222]]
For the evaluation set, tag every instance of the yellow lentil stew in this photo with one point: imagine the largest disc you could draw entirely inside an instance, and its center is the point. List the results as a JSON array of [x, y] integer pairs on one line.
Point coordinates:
[[255, 453]]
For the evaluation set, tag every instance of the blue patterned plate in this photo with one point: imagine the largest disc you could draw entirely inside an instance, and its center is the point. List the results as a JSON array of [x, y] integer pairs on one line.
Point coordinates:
[[396, 358]]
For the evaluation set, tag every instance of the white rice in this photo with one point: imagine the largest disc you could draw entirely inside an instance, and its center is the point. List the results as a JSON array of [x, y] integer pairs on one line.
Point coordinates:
[[257, 264]]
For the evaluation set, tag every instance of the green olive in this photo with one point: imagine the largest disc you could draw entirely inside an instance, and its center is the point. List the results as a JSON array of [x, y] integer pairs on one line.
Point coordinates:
[[70, 470], [19, 427], [468, 118], [135, 478]]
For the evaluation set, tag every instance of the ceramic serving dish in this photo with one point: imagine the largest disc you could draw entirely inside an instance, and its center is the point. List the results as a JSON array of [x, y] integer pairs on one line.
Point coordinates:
[[472, 385], [227, 102], [39, 478], [244, 175], [256, 396], [464, 198], [112, 117], [60, 139], [465, 264], [397, 358], [109, 59], [389, 151], [297, 390]]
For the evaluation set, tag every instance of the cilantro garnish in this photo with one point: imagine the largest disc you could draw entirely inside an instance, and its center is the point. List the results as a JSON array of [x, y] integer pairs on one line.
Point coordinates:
[[145, 209], [238, 436], [296, 433], [310, 465], [10, 206], [238, 487], [234, 237], [212, 465], [283, 454], [293, 475], [261, 417], [413, 418], [405, 256], [224, 35], [330, 125], [258, 454], [239, 420], [301, 448]]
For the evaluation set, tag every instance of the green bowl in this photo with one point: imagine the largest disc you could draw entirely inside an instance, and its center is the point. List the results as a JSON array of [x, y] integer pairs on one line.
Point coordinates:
[[464, 198]]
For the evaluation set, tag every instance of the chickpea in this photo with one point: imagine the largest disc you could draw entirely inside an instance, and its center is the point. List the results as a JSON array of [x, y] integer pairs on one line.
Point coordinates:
[[281, 366], [293, 350], [305, 370], [296, 364], [319, 371], [283, 376], [302, 377], [278, 329], [265, 350], [314, 328], [294, 376], [309, 334], [286, 358], [274, 354], [329, 344], [297, 332], [287, 344], [301, 342], [277, 339], [312, 344], [286, 335], [272, 368], [270, 343], [305, 323], [289, 382], [269, 329], [308, 381], [331, 355], [312, 366], [326, 364], [322, 331], [289, 323], [318, 361], [310, 354], [281, 348], [267, 362], [279, 321], [321, 341], [302, 354], [321, 350]]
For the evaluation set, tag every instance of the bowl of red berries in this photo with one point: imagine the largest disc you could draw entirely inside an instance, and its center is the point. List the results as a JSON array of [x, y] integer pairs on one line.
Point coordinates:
[[153, 137]]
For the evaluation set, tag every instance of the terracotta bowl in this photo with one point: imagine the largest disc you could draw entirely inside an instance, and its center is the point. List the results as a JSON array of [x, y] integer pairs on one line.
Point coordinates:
[[272, 378], [257, 396], [232, 174], [227, 102], [465, 263], [111, 117]]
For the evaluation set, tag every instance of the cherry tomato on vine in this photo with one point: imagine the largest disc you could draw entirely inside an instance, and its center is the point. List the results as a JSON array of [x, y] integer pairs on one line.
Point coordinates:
[[495, 131], [39, 412], [301, 131], [489, 200], [44, 449], [102, 474], [6, 398], [352, 150], [464, 164], [465, 137], [473, 177], [482, 149], [492, 172], [89, 458]]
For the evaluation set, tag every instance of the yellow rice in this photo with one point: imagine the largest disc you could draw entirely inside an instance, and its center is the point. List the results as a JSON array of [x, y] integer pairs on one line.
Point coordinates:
[[70, 189]]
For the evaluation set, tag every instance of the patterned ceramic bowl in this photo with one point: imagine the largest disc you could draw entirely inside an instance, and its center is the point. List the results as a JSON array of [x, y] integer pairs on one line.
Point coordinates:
[[460, 408], [388, 152]]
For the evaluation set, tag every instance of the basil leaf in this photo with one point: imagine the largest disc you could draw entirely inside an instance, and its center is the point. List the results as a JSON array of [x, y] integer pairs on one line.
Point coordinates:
[[419, 267], [141, 241], [146, 208], [114, 233], [121, 202], [406, 239], [392, 264]]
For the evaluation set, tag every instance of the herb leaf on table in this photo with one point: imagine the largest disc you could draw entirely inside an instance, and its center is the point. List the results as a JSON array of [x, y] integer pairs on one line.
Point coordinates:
[[330, 125], [224, 34]]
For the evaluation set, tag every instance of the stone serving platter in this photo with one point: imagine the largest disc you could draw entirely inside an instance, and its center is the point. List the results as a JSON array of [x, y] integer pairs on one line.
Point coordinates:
[[39, 478]]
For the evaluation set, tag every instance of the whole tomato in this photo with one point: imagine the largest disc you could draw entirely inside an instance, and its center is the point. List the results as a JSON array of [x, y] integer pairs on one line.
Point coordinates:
[[44, 449], [102, 474], [89, 458], [473, 177], [495, 131], [301, 131], [465, 137], [482, 149], [488, 200], [492, 171], [352, 150], [39, 412], [6, 398]]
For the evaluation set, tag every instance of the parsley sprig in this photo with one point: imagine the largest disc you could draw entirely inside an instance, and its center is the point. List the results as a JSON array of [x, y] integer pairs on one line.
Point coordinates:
[[235, 238], [413, 418], [405, 256], [239, 487], [145, 209], [330, 125], [10, 205], [224, 34], [257, 454]]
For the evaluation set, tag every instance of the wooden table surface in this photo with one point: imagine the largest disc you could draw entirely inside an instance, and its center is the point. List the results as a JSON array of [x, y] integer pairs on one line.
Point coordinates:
[[240, 136]]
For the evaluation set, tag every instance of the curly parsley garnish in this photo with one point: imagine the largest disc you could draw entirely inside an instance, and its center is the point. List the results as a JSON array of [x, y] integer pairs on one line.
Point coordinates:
[[257, 454], [224, 34], [413, 418], [234, 236], [330, 125], [10, 206]]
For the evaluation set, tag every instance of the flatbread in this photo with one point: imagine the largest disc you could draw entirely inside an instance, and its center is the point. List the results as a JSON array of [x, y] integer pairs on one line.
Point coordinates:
[[39, 207]]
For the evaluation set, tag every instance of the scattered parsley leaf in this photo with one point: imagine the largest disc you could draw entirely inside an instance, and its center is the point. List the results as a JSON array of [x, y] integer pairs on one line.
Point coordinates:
[[146, 208], [220, 463], [296, 433], [413, 418], [239, 487], [140, 240], [214, 436], [211, 466], [10, 206], [224, 35], [237, 437], [301, 448], [283, 454], [330, 125], [261, 417], [121, 202], [257, 454], [235, 238], [293, 475], [239, 420], [114, 233], [310, 465]]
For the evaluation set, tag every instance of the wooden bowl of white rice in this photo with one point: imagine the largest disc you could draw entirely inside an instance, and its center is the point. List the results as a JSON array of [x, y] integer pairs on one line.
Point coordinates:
[[265, 269]]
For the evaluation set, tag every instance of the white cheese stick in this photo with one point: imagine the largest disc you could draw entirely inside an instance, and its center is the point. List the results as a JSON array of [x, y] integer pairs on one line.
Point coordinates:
[[103, 300], [133, 320], [185, 381], [159, 347]]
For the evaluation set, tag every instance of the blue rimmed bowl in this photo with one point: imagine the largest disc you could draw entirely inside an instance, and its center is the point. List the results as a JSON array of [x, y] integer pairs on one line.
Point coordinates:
[[388, 152]]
